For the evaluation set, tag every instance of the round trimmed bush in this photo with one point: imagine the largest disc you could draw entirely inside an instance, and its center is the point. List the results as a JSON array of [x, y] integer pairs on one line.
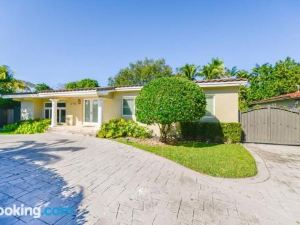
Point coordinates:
[[168, 100]]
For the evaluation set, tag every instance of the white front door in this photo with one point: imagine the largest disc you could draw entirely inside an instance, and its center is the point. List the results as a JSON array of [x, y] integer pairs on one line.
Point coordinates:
[[91, 111]]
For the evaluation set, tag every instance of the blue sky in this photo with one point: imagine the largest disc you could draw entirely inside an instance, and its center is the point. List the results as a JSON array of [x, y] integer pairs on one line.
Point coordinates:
[[56, 41]]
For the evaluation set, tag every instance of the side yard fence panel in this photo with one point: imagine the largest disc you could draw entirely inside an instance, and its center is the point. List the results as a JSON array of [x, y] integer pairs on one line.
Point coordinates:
[[272, 125]]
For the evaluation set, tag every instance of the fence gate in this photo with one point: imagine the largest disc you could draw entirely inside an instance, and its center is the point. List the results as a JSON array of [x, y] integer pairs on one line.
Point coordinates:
[[271, 124]]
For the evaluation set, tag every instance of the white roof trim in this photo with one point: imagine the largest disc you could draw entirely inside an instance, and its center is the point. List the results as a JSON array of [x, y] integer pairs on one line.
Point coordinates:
[[223, 84], [68, 93], [208, 84], [54, 94], [20, 96], [134, 88]]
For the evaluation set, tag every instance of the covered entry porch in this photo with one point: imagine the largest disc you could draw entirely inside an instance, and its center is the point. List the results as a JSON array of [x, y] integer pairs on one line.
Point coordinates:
[[67, 108], [78, 112]]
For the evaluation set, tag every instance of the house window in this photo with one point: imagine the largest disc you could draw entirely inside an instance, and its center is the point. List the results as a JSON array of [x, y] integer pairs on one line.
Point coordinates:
[[61, 111], [48, 110], [210, 105], [128, 106]]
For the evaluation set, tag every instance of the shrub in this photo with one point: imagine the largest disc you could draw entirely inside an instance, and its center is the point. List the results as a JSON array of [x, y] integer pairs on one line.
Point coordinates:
[[10, 127], [123, 128], [168, 100], [27, 127], [232, 132], [212, 132]]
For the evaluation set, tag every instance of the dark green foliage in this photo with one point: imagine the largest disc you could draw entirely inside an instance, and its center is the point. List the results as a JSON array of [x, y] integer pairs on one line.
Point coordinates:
[[214, 70], [271, 80], [27, 127], [168, 100], [123, 128], [8, 85], [141, 73], [84, 83], [189, 71], [42, 87], [7, 103], [212, 132]]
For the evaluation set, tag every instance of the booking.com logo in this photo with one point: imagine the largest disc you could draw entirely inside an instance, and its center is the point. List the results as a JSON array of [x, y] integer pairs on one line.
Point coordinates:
[[35, 212]]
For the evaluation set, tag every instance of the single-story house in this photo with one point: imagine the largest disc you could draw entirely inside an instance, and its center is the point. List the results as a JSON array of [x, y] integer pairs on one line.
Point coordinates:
[[90, 107], [290, 100]]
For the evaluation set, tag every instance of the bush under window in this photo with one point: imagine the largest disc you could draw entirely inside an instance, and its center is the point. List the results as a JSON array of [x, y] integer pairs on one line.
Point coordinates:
[[123, 128]]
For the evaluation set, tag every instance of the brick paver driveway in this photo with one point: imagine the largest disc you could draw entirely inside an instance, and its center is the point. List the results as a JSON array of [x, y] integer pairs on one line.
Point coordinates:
[[104, 182]]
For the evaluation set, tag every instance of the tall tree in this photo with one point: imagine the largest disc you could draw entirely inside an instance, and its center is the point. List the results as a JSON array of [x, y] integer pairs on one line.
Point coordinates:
[[242, 74], [231, 72], [84, 83], [141, 72], [8, 84], [189, 71], [42, 87], [269, 80], [214, 70]]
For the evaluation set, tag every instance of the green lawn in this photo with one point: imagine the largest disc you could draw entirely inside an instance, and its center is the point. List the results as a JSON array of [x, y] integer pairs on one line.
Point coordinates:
[[220, 160]]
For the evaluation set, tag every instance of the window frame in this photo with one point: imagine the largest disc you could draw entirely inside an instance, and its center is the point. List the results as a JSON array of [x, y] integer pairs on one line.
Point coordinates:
[[213, 113], [122, 106], [50, 110]]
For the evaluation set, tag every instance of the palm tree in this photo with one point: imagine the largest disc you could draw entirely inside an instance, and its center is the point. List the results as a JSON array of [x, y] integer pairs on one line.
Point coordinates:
[[232, 72], [214, 70], [189, 71], [8, 83]]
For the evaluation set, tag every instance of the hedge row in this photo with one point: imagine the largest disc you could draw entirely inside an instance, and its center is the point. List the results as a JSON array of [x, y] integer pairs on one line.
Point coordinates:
[[212, 132], [27, 127]]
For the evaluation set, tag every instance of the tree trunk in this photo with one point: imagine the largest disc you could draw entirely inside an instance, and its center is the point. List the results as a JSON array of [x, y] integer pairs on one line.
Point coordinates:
[[164, 130]]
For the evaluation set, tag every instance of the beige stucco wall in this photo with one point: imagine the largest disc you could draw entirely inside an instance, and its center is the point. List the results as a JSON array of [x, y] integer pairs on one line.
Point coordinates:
[[38, 109], [74, 111], [112, 107], [226, 103], [225, 106], [31, 109]]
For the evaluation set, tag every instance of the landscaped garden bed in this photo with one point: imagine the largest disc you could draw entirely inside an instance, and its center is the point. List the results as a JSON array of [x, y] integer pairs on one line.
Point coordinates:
[[169, 102]]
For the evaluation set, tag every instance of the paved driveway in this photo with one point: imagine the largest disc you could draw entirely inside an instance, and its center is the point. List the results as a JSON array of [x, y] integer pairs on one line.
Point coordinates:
[[104, 182]]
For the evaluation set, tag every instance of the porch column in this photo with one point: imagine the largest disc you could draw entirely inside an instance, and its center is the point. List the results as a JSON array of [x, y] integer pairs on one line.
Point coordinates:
[[54, 112]]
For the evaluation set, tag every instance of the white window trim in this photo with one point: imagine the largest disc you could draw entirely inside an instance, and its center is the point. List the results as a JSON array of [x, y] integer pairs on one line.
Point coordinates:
[[58, 107], [214, 106], [130, 98], [100, 112], [46, 107], [50, 108]]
